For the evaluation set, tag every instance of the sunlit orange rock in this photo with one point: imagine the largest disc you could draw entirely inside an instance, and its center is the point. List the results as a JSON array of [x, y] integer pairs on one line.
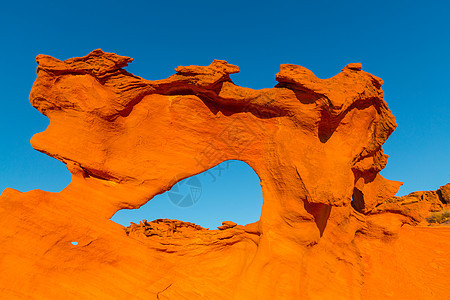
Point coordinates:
[[327, 230]]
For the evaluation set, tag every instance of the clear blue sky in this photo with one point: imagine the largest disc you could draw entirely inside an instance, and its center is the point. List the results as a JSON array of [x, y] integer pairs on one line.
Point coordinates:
[[406, 43]]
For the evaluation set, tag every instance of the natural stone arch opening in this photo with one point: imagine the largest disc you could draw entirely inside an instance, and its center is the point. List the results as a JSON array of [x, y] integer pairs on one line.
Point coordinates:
[[357, 200], [302, 137], [230, 191]]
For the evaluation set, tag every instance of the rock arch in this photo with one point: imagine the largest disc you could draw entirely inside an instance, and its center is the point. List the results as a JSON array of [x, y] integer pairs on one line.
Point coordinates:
[[124, 139]]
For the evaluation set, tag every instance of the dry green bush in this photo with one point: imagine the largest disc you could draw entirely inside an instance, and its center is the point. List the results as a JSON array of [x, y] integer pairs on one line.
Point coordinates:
[[439, 217]]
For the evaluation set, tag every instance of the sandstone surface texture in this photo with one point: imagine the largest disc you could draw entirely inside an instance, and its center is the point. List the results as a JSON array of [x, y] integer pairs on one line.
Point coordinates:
[[330, 227]]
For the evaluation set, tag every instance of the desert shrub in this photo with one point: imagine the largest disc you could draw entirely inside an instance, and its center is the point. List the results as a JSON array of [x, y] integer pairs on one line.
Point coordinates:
[[439, 217]]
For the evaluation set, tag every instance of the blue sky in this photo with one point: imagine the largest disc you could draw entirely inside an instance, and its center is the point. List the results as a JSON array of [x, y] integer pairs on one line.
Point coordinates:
[[406, 43]]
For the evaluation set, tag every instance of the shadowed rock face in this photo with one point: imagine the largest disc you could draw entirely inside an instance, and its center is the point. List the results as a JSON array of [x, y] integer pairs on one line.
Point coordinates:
[[314, 143]]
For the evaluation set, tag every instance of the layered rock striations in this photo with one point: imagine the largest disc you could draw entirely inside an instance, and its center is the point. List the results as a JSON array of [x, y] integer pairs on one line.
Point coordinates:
[[330, 226]]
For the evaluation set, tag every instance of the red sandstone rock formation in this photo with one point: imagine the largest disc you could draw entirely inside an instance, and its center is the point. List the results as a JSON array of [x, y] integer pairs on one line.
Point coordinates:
[[314, 143]]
